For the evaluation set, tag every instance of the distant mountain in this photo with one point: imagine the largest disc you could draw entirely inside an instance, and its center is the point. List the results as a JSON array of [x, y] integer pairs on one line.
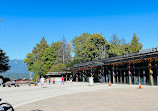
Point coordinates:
[[18, 70], [17, 66]]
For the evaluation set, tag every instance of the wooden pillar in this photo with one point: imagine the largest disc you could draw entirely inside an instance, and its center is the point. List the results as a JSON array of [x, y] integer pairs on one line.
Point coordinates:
[[83, 76], [91, 73], [103, 78], [124, 77], [120, 76], [100, 76], [139, 74], [136, 78], [66, 76], [129, 74], [77, 77], [106, 75], [150, 72], [117, 77], [113, 73], [144, 77]]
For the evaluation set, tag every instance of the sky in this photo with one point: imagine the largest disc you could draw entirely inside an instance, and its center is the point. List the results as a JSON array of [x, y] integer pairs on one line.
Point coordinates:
[[25, 22]]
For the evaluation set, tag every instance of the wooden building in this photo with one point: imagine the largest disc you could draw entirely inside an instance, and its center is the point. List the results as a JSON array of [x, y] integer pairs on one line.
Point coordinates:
[[58, 75], [132, 68]]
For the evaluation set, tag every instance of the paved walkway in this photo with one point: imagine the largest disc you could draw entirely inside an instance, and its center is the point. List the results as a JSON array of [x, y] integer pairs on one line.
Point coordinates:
[[18, 96], [81, 97], [102, 100]]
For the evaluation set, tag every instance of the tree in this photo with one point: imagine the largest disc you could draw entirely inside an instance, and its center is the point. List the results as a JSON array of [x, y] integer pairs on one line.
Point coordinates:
[[125, 49], [89, 47], [63, 49], [34, 60], [92, 47], [78, 44], [4, 62], [57, 67], [50, 56], [68, 56], [135, 46], [40, 48], [115, 46], [30, 59], [86, 47], [64, 52]]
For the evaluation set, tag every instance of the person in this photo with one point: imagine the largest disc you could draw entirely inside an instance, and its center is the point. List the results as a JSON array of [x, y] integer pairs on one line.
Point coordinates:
[[53, 80], [1, 81], [42, 80], [36, 81], [62, 80], [48, 81], [70, 78]]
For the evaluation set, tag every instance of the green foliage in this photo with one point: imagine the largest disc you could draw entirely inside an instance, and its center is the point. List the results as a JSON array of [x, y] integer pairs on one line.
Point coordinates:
[[125, 49], [86, 47], [115, 46], [119, 47], [35, 76], [30, 59], [57, 67], [11, 79], [43, 57], [40, 49], [34, 60], [4, 60], [92, 46], [135, 46], [50, 55], [89, 47], [78, 44], [74, 61]]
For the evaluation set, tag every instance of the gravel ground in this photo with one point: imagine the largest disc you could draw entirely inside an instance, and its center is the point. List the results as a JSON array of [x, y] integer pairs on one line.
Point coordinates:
[[82, 97]]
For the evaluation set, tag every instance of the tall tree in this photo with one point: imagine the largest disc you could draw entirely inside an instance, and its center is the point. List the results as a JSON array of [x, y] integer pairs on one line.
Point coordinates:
[[40, 48], [34, 60], [125, 49], [135, 45], [64, 52], [4, 61], [68, 56], [78, 44], [115, 46], [30, 59], [50, 56], [93, 45]]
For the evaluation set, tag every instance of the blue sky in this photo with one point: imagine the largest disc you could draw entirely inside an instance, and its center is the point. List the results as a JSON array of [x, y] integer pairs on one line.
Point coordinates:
[[25, 22]]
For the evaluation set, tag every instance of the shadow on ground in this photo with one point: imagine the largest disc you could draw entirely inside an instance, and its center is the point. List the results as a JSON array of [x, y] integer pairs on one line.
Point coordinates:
[[37, 110]]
